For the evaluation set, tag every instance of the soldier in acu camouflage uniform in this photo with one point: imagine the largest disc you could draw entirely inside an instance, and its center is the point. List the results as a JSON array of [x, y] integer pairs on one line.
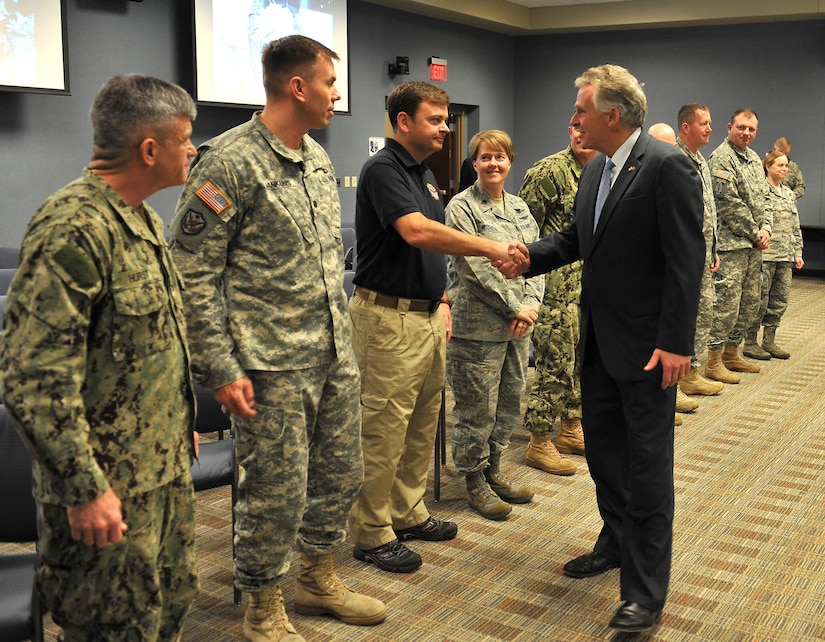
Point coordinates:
[[96, 375], [257, 237], [549, 190], [744, 227], [794, 180], [694, 132], [492, 318]]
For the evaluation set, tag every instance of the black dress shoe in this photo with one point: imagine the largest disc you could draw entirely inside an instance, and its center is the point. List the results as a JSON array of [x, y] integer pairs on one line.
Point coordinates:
[[431, 530], [633, 617], [392, 556], [588, 565]]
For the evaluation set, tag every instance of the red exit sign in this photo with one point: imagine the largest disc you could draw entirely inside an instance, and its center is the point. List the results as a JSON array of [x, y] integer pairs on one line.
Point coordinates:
[[438, 69]]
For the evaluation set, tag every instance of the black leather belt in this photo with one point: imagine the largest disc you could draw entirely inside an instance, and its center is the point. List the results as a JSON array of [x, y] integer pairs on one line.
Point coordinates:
[[416, 305]]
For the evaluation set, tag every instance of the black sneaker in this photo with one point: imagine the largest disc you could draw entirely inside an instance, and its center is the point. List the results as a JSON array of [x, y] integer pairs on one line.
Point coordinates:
[[392, 556], [433, 530]]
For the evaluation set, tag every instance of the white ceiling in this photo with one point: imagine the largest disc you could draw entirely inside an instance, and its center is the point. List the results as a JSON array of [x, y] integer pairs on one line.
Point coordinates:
[[524, 17]]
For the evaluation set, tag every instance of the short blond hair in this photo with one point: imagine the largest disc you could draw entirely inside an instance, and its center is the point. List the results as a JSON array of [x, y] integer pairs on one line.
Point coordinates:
[[496, 139]]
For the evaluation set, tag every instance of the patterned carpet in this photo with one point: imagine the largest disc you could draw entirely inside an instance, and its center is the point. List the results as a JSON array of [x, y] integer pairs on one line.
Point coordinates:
[[749, 548]]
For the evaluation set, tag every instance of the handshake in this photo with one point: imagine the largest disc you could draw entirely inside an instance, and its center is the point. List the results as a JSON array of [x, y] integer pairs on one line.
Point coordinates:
[[516, 261]]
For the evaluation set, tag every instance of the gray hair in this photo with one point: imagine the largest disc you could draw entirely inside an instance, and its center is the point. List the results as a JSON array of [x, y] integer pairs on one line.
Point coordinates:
[[131, 107], [615, 86]]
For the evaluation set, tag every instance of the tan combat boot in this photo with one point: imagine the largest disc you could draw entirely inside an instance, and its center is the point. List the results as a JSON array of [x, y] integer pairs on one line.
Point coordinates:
[[542, 454], [483, 500], [265, 619], [734, 361], [769, 343], [571, 438], [752, 348], [321, 592], [685, 403], [677, 419], [505, 488], [694, 383], [716, 370]]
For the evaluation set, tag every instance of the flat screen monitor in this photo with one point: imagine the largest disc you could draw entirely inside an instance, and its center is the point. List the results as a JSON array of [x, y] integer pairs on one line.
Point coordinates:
[[33, 46], [231, 34]]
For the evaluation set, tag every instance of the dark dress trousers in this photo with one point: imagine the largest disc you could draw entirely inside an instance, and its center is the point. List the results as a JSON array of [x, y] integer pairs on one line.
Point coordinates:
[[640, 291]]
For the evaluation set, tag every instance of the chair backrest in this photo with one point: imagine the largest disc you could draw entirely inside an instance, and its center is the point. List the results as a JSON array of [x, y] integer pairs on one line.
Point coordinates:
[[349, 286], [6, 275], [9, 257], [210, 417], [18, 511]]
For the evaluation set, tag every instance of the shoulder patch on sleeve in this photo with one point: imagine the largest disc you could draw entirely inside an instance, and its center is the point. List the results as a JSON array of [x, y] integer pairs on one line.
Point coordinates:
[[548, 187], [76, 265], [213, 197], [721, 173]]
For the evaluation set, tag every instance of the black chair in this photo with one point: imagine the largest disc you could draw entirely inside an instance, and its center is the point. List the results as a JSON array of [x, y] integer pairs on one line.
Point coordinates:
[[216, 464], [348, 241], [21, 611], [9, 257], [349, 286], [6, 275]]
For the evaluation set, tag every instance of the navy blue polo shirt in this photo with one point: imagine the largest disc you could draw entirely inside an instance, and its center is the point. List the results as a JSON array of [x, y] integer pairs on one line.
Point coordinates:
[[391, 185]]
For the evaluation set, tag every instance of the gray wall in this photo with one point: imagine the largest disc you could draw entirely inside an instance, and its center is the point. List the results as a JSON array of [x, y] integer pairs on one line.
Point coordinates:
[[522, 85], [776, 69]]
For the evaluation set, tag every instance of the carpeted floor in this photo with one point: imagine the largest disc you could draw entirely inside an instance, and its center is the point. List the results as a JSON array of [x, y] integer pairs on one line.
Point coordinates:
[[749, 547]]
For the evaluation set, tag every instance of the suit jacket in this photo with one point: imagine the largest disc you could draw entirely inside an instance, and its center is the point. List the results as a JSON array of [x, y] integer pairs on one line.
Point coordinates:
[[643, 264]]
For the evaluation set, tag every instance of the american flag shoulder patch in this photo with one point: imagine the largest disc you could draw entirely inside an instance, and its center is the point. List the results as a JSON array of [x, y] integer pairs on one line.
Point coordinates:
[[721, 173], [213, 197]]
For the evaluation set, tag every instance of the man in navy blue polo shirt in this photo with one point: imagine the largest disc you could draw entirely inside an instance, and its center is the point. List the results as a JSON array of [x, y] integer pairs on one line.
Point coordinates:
[[401, 323]]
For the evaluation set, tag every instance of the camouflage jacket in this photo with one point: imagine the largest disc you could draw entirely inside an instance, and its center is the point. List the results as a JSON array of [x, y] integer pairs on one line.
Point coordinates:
[[483, 301], [709, 221], [786, 240], [257, 237], [94, 363], [739, 188], [795, 180], [549, 189]]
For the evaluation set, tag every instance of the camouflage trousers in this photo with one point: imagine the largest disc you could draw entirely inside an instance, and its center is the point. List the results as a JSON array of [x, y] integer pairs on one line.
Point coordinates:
[[487, 379], [556, 389], [704, 318], [776, 291], [738, 284], [139, 589], [300, 467]]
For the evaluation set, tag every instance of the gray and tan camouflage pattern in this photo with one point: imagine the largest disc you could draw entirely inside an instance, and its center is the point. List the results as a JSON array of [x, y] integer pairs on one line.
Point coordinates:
[[134, 591], [795, 180], [486, 364], [707, 292], [739, 188], [777, 260], [94, 362], [549, 189], [738, 283], [487, 379], [301, 466], [262, 261], [257, 237], [786, 239], [484, 302]]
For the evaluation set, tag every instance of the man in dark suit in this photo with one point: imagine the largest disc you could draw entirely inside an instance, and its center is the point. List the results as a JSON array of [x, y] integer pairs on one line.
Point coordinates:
[[643, 260]]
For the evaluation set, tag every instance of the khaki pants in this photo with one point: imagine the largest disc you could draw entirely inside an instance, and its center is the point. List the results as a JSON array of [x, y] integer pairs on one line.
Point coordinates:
[[401, 355]]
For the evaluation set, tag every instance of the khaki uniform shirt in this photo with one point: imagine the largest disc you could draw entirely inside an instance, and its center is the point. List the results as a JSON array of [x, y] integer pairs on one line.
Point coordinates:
[[94, 362]]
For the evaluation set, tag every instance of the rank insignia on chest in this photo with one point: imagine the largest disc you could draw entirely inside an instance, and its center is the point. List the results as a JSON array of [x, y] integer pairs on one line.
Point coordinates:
[[213, 197], [433, 191]]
